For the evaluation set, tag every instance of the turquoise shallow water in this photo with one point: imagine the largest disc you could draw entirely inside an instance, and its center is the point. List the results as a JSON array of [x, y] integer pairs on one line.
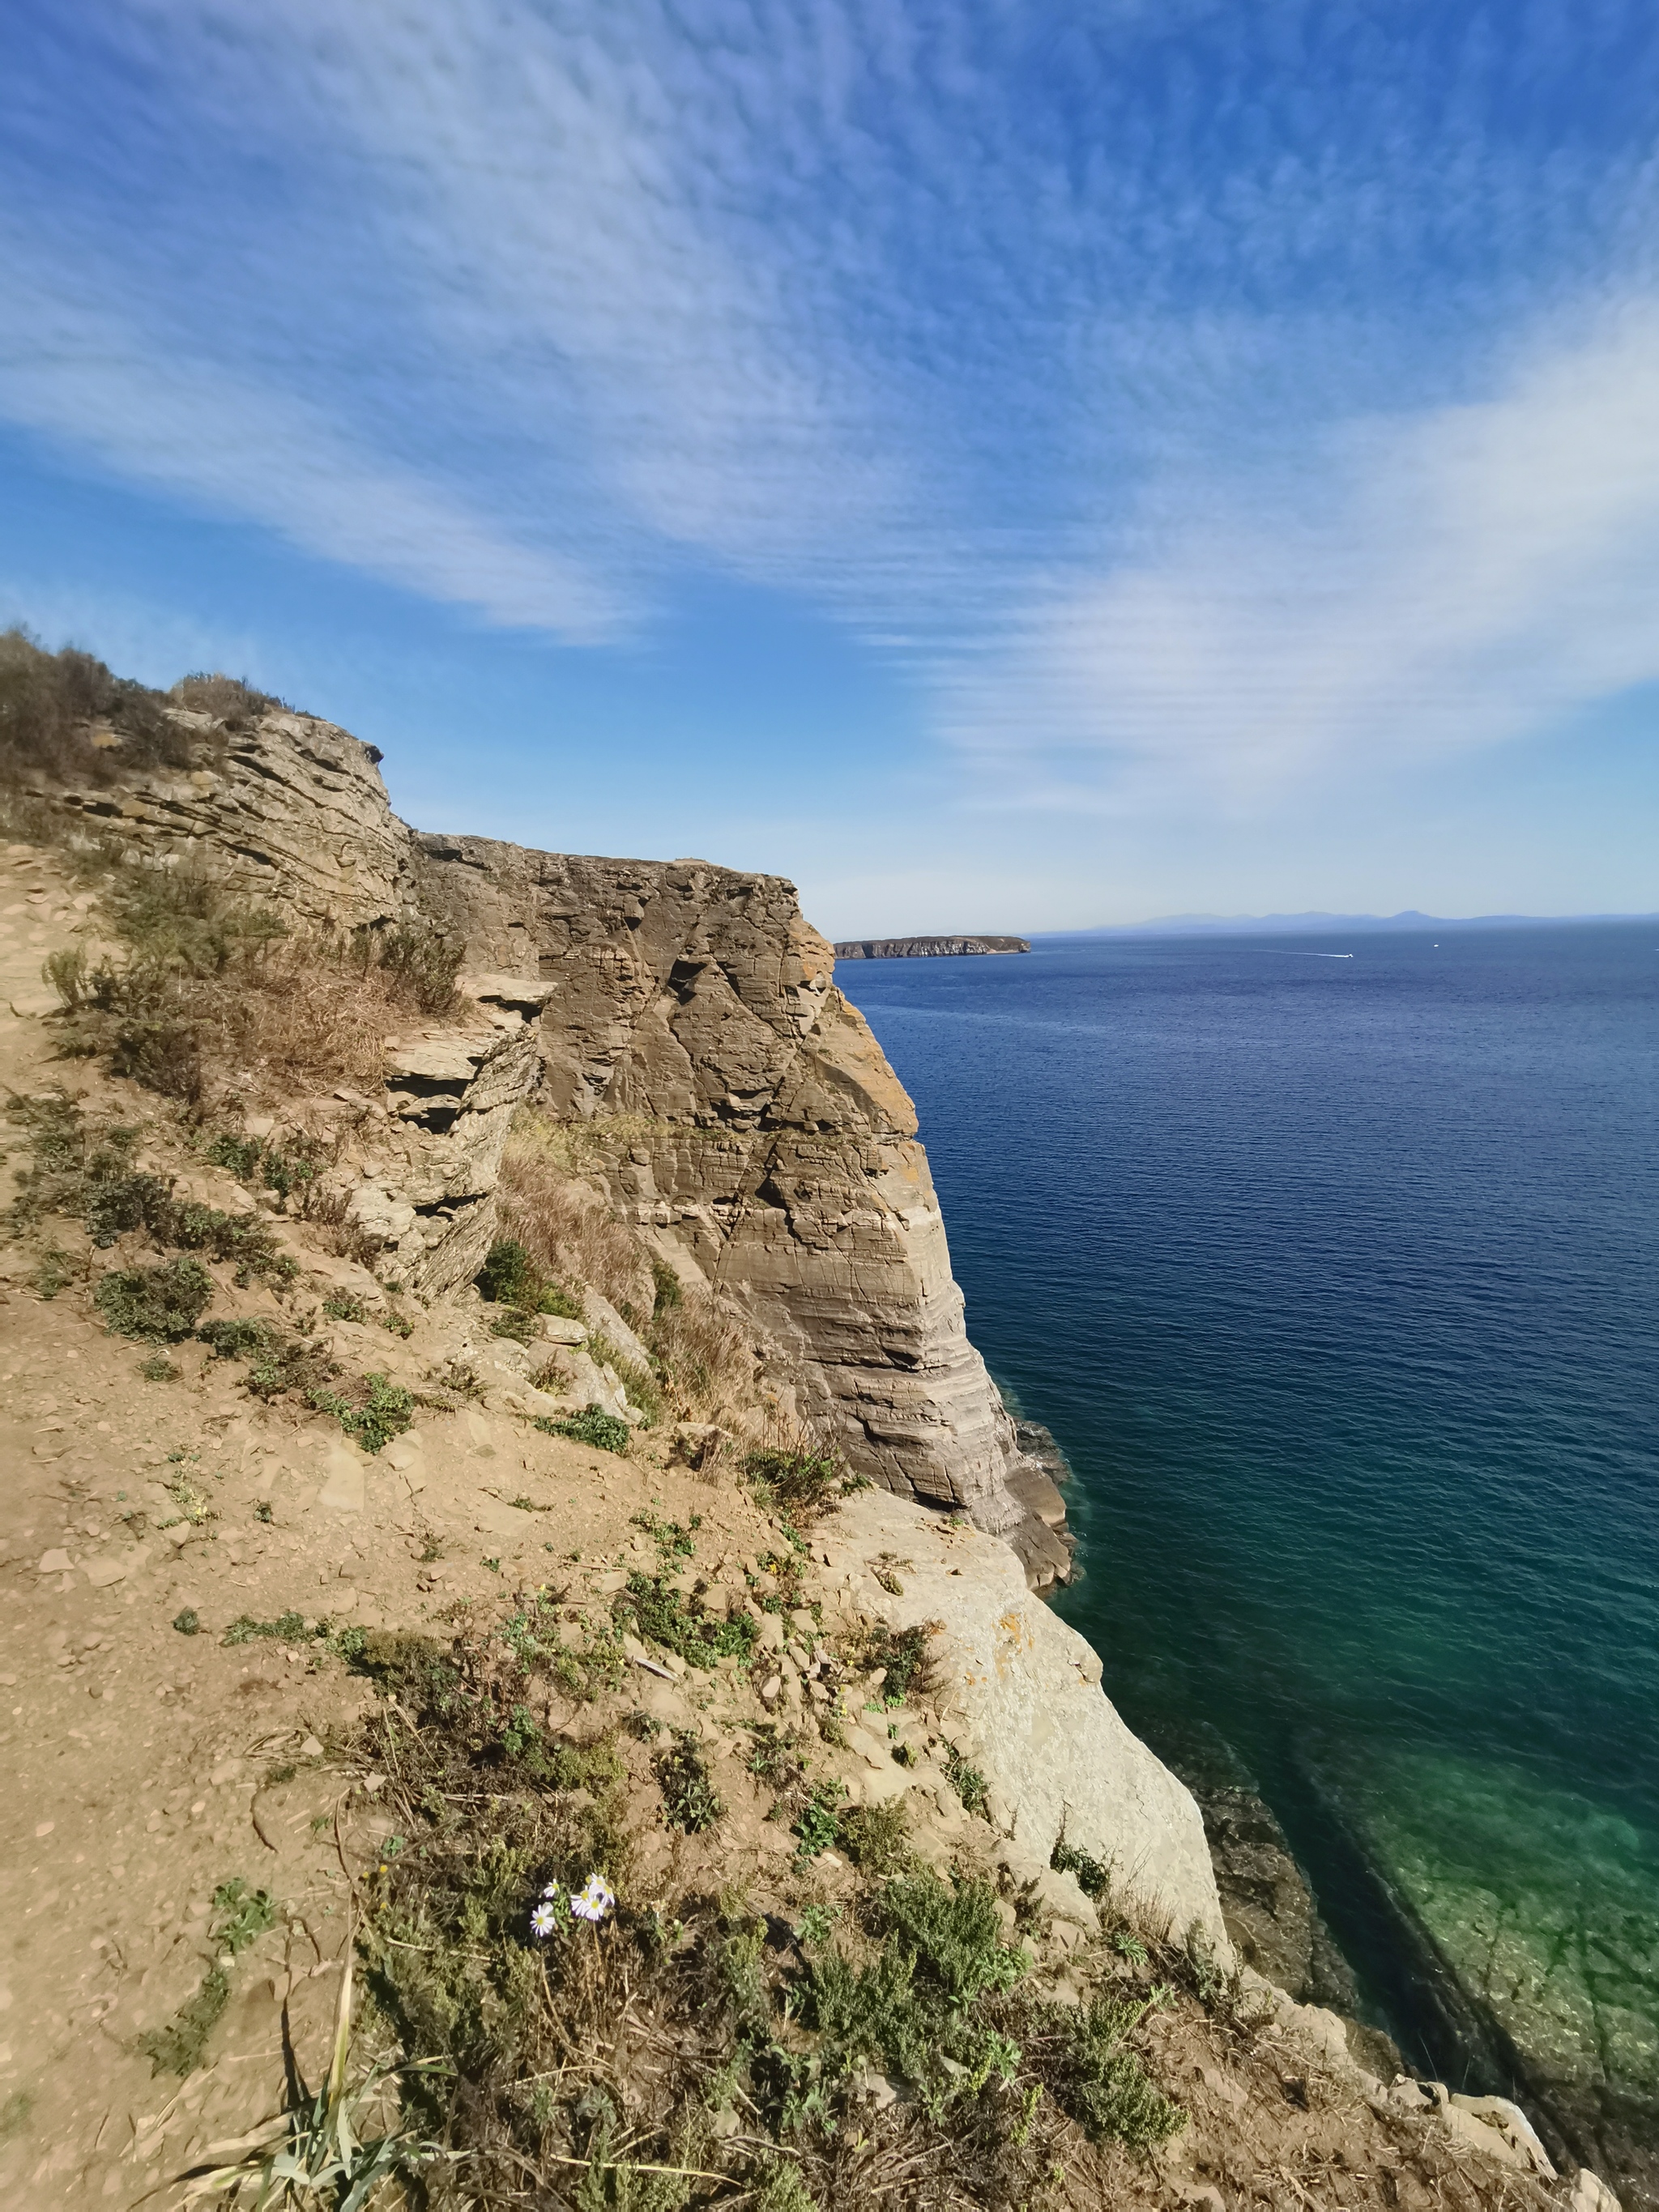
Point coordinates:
[[1336, 1279]]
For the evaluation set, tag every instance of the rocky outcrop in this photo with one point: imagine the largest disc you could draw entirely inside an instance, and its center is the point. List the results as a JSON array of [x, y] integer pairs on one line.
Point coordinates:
[[428, 1192], [927, 948], [1019, 1693], [740, 1114]]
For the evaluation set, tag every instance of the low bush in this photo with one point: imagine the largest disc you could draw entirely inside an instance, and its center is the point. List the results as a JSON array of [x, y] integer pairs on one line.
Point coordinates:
[[374, 1411], [65, 717], [877, 1837], [659, 1614], [802, 1482], [510, 1278], [83, 1169], [690, 1799], [203, 981], [163, 1303], [594, 1426]]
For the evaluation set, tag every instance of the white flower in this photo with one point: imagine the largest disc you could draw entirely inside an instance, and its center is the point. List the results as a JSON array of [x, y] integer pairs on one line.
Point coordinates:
[[543, 1921], [596, 1899], [552, 1890]]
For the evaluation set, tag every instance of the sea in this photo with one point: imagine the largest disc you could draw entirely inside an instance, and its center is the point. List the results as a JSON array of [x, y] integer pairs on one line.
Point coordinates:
[[1333, 1263]]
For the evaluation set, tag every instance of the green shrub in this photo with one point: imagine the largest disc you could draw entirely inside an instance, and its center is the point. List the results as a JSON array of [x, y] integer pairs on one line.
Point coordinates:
[[660, 1615], [422, 959], [1093, 1879], [798, 1481], [378, 1411], [817, 1826], [340, 1306], [509, 1277], [1104, 2086], [279, 1362], [286, 1628], [594, 1426], [162, 1303], [968, 1782], [903, 1654], [515, 1323], [689, 1796], [876, 1838]]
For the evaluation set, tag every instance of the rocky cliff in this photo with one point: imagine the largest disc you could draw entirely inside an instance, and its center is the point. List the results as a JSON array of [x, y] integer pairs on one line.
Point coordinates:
[[740, 1112]]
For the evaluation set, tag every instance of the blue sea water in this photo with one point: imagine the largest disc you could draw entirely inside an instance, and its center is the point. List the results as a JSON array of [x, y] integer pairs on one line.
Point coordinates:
[[1338, 1280]]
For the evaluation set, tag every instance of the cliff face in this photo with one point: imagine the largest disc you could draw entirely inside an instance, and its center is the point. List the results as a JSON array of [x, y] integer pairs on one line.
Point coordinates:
[[741, 1112]]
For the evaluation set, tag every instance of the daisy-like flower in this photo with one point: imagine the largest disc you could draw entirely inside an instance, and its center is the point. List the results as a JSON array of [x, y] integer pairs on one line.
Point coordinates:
[[552, 1890], [544, 1919], [596, 1899]]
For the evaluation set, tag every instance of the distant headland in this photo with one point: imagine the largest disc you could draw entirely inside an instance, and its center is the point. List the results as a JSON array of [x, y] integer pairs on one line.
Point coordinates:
[[927, 948]]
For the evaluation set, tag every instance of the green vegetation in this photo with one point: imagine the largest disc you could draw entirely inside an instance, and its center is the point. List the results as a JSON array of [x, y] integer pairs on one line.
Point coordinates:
[[509, 1277], [798, 1482], [900, 1655], [535, 2040], [376, 1412], [286, 1628], [84, 1169], [244, 1914], [279, 1361], [689, 1796], [594, 1426], [661, 1615], [1093, 1879], [968, 1782], [268, 1166], [163, 1303], [876, 1838]]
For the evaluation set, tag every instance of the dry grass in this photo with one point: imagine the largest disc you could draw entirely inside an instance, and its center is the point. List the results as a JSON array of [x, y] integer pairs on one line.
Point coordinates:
[[706, 1367], [198, 993], [565, 1226]]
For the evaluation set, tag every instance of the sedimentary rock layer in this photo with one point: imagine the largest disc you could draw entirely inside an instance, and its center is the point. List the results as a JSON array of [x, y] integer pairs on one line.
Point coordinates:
[[741, 1113]]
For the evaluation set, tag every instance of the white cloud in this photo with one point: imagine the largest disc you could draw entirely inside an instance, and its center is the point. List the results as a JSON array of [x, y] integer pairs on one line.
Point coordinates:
[[159, 414], [524, 307], [1444, 581]]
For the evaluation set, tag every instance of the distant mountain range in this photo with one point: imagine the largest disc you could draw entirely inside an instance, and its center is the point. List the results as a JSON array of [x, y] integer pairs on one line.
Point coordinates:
[[1294, 925]]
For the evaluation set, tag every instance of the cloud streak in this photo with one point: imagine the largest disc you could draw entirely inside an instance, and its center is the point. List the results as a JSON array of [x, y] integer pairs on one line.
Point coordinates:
[[1158, 385], [1451, 580]]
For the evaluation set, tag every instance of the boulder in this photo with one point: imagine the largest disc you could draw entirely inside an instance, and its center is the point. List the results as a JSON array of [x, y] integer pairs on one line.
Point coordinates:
[[1019, 1694]]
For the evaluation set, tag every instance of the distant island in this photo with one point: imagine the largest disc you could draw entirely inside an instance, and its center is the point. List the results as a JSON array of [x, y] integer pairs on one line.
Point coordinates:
[[927, 948]]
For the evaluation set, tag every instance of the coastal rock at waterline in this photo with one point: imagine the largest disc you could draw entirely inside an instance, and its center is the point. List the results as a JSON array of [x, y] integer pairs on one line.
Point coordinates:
[[1019, 1692]]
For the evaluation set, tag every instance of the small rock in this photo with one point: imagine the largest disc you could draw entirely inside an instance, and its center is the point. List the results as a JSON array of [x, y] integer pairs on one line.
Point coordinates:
[[770, 1688], [311, 1748], [54, 1563], [100, 1573]]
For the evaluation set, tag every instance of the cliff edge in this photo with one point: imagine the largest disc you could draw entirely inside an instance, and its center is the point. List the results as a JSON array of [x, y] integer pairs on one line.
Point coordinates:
[[737, 1109]]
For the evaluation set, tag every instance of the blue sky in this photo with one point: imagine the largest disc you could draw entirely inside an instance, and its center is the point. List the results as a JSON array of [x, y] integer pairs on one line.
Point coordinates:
[[1003, 464]]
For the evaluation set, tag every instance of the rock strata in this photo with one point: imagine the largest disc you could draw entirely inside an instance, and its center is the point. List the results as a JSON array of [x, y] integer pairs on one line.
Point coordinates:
[[737, 1109]]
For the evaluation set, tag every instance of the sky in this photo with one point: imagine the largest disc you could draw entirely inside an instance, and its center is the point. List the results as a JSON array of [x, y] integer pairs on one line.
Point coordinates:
[[1010, 464]]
